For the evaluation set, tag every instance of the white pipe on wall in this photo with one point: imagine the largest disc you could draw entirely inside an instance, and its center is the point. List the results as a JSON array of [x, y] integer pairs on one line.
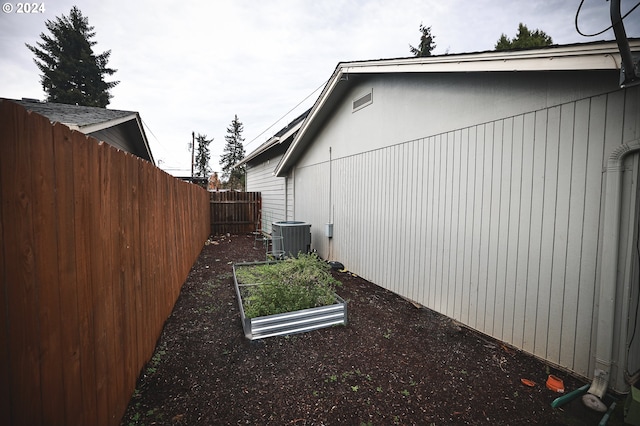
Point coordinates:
[[609, 268]]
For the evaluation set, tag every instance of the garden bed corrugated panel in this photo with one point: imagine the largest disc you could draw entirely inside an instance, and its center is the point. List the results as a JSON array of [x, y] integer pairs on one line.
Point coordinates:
[[289, 322]]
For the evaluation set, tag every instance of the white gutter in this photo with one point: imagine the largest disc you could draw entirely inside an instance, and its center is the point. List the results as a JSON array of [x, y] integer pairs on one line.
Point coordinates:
[[609, 268]]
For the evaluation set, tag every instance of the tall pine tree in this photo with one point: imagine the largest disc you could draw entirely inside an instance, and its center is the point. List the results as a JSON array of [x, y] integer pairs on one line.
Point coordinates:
[[233, 153], [71, 72], [426, 45], [524, 39], [203, 155]]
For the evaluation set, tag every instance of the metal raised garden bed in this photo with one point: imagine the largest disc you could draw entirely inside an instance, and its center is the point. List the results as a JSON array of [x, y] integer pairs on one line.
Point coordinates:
[[289, 322]]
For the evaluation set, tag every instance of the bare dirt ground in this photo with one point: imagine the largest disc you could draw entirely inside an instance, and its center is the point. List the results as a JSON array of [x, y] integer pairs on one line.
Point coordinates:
[[394, 363]]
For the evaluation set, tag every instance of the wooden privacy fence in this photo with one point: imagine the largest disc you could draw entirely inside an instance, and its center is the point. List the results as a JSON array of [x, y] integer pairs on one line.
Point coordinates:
[[235, 212], [95, 244]]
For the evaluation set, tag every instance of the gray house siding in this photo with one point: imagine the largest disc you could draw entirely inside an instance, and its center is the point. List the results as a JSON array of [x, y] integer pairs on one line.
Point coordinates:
[[481, 197], [260, 178], [116, 137]]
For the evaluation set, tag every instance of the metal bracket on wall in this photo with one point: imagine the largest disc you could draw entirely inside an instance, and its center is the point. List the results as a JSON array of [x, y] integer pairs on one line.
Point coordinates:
[[636, 71]]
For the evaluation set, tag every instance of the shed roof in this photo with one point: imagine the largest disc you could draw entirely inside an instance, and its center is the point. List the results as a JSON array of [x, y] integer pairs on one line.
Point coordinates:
[[575, 57], [87, 120]]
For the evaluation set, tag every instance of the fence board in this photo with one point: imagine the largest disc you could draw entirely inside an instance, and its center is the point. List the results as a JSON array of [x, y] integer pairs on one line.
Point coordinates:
[[5, 401], [46, 253], [85, 181], [94, 247], [67, 278], [22, 300], [235, 212]]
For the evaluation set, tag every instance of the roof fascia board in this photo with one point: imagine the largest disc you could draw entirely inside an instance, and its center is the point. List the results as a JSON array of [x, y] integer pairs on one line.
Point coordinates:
[[562, 63], [106, 124], [322, 99], [145, 141], [275, 140], [559, 58], [259, 150]]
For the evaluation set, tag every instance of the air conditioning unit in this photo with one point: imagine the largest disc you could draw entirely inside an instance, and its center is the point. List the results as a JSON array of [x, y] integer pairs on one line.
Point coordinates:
[[296, 236]]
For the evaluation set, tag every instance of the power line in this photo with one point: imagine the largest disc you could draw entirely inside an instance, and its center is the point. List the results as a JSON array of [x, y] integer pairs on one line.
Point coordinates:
[[606, 29], [287, 113]]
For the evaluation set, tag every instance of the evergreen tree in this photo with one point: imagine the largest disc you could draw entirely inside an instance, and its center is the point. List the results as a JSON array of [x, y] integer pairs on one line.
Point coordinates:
[[233, 153], [203, 155], [426, 45], [525, 39], [71, 72]]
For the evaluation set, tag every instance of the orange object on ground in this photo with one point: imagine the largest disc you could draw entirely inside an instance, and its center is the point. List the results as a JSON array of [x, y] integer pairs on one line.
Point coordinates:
[[528, 382], [555, 383]]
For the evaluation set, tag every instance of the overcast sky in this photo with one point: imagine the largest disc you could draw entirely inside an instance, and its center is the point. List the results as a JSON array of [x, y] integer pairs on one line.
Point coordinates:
[[192, 66]]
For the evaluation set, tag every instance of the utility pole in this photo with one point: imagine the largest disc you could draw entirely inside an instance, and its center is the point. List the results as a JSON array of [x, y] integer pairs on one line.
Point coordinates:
[[193, 147]]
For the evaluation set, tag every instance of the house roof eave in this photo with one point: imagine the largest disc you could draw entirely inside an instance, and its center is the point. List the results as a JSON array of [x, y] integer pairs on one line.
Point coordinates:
[[586, 56]]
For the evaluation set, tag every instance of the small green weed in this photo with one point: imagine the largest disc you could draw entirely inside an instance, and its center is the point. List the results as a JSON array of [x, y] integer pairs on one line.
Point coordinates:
[[355, 388], [332, 379], [405, 392]]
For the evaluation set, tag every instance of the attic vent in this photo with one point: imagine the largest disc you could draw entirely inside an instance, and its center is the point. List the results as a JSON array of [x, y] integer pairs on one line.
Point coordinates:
[[363, 101]]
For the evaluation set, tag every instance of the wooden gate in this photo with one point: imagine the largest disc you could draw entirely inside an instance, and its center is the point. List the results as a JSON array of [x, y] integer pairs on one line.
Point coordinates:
[[235, 212]]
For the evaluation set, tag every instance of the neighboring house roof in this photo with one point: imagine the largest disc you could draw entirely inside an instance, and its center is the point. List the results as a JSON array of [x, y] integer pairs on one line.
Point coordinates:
[[283, 136], [122, 129], [584, 56]]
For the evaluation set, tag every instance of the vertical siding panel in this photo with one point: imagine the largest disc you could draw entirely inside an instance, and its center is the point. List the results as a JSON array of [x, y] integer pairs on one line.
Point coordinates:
[[474, 302], [463, 150], [395, 277], [421, 240], [439, 190], [535, 233], [416, 221], [578, 116], [495, 135], [547, 253], [603, 131], [513, 255], [424, 206], [446, 221], [504, 293], [485, 225], [558, 280], [373, 203], [380, 173], [553, 239], [409, 231], [404, 207], [433, 215], [522, 335], [384, 206], [388, 214], [454, 259], [469, 254]]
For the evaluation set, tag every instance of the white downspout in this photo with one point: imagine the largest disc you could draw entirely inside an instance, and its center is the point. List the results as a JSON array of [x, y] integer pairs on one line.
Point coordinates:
[[609, 267]]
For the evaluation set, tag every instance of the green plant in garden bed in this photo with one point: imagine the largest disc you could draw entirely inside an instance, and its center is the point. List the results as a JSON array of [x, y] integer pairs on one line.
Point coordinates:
[[291, 285]]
